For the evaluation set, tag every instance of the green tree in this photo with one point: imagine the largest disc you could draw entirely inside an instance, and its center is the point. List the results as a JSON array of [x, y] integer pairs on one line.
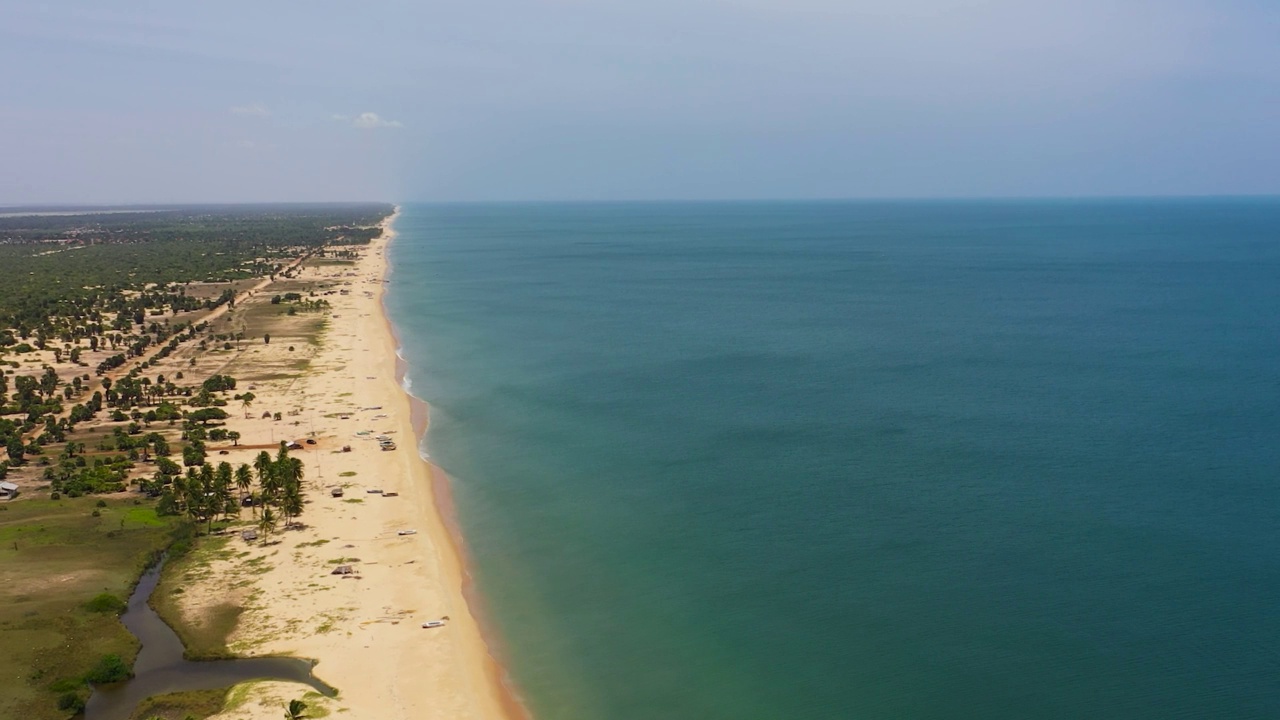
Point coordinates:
[[204, 415], [192, 455], [48, 382], [244, 480], [291, 504], [246, 402], [267, 523], [295, 710]]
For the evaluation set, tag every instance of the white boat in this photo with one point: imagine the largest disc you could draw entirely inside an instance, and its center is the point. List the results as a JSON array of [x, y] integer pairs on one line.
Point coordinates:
[[433, 624]]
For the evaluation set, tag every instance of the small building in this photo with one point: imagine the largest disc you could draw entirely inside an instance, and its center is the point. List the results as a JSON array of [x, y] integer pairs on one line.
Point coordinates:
[[336, 492], [343, 570], [8, 490], [249, 535]]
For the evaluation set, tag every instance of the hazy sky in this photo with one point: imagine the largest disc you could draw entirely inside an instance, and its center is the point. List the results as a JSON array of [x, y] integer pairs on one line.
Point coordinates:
[[128, 101]]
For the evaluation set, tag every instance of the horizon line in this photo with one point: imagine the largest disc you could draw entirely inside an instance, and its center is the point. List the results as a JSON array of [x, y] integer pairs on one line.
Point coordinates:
[[141, 205]]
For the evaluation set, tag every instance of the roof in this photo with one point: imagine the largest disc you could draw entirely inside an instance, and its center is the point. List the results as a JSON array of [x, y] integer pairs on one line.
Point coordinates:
[[8, 486]]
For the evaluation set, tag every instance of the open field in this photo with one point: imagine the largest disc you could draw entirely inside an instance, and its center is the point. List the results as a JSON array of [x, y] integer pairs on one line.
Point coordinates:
[[56, 557]]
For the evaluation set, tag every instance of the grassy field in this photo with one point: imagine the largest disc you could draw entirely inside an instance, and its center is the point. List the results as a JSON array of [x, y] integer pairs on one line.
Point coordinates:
[[56, 556], [204, 636], [181, 705]]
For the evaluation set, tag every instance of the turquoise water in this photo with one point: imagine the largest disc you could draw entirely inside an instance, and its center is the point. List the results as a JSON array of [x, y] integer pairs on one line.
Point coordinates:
[[862, 460]]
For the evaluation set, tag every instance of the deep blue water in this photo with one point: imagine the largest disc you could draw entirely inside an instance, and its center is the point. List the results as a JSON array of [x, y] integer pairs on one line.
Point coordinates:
[[862, 460]]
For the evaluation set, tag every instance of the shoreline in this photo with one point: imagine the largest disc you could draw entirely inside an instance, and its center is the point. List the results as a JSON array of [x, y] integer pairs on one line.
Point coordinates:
[[332, 385], [441, 491]]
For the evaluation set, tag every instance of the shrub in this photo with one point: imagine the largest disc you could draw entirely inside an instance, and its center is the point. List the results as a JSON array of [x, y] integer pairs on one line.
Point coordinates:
[[102, 503], [71, 702], [63, 685], [109, 669], [105, 602]]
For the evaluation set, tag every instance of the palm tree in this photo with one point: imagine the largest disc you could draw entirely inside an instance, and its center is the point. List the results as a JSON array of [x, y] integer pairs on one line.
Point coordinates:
[[244, 480], [295, 710], [291, 472], [246, 402], [222, 489], [262, 464], [267, 523], [292, 504]]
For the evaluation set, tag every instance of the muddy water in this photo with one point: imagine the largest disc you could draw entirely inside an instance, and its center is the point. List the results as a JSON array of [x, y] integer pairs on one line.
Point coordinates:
[[160, 667]]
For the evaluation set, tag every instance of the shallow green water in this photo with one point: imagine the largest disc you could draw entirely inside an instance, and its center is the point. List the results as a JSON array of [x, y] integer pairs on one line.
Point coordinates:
[[862, 460]]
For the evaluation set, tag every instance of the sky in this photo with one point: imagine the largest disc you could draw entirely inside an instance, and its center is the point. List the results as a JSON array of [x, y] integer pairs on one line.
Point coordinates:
[[124, 101]]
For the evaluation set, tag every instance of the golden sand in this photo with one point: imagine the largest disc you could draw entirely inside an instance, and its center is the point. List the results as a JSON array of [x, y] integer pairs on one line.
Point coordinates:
[[365, 630]]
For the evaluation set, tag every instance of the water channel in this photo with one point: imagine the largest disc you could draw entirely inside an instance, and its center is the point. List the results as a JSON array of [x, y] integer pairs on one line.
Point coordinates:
[[160, 667]]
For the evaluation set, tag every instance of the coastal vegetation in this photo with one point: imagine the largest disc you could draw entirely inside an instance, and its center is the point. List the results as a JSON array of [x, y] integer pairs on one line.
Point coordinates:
[[138, 265], [123, 340], [182, 705], [69, 564]]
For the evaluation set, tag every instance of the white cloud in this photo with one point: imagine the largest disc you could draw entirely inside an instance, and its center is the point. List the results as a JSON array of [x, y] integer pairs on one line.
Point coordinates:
[[370, 121], [256, 110]]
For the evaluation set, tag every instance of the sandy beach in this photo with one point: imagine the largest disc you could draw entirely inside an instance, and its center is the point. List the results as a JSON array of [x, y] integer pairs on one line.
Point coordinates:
[[364, 629]]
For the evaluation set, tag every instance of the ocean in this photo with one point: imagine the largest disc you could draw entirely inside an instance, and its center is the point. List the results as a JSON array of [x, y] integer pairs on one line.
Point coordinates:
[[861, 459]]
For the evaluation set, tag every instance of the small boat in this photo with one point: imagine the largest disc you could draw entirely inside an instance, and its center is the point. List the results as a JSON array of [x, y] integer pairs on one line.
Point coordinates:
[[433, 624], [407, 532]]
